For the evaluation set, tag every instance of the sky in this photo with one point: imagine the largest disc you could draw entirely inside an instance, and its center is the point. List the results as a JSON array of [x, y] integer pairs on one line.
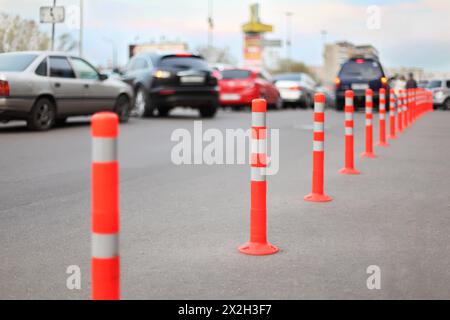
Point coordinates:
[[412, 33]]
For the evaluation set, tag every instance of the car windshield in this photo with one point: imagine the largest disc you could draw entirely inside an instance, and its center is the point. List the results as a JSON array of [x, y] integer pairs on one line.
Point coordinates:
[[180, 62], [365, 69], [288, 77], [15, 62], [434, 84], [235, 74]]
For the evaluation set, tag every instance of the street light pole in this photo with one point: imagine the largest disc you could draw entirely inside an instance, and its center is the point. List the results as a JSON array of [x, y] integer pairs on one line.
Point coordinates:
[[80, 46], [210, 23], [289, 39], [53, 28]]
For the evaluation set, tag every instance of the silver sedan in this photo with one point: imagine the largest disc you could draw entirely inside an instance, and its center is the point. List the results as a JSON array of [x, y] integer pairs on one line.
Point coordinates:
[[45, 88]]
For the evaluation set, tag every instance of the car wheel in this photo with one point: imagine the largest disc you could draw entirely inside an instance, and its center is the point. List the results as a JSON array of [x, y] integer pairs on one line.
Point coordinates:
[[446, 105], [142, 105], [279, 104], [42, 116], [163, 111], [60, 122], [340, 105], [208, 111], [123, 108]]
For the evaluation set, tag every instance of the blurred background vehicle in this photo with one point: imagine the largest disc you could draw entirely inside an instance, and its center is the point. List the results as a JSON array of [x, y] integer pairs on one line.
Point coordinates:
[[163, 81], [441, 93], [329, 95], [296, 89], [359, 74], [423, 84], [239, 86], [45, 88]]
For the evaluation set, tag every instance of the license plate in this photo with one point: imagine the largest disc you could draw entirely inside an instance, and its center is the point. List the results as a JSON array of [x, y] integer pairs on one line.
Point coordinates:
[[230, 97], [192, 79], [360, 86]]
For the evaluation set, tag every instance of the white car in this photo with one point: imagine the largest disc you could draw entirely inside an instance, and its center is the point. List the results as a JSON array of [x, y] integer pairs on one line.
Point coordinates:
[[45, 88], [441, 93], [296, 89]]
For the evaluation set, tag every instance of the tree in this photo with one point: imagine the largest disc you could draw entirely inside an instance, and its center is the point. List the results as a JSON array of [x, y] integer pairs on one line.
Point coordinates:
[[216, 55], [17, 34], [286, 65], [66, 43]]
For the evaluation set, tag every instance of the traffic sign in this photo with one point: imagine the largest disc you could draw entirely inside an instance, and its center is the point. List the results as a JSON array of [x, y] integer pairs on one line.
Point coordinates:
[[52, 14], [272, 43]]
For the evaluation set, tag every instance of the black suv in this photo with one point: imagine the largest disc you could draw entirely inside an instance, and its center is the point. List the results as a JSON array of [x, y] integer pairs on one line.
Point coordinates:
[[162, 82], [359, 74]]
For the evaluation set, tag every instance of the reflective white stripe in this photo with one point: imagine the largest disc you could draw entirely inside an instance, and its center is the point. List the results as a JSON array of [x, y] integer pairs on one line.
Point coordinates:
[[319, 107], [258, 119], [319, 127], [259, 146], [318, 146], [104, 149], [382, 116], [348, 131], [399, 109], [405, 109], [369, 110], [392, 114], [369, 98], [105, 246], [258, 174], [348, 116], [348, 101], [368, 122]]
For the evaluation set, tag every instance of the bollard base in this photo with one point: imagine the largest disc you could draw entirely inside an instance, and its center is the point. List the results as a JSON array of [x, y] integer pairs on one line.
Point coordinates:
[[369, 155], [349, 171], [383, 144], [258, 249], [314, 197], [392, 137]]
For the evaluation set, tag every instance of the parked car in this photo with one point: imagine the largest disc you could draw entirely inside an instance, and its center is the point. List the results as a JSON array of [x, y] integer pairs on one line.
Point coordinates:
[[162, 82], [296, 89], [240, 86], [441, 93], [359, 74], [45, 88]]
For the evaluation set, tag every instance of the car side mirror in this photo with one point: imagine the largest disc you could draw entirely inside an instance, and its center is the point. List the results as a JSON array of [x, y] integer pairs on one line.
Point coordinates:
[[103, 77]]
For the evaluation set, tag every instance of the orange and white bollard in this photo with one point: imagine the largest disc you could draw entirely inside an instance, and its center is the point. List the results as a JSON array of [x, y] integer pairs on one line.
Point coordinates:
[[369, 126], [400, 111], [105, 207], [405, 110], [349, 168], [258, 244], [392, 131], [382, 117], [317, 194]]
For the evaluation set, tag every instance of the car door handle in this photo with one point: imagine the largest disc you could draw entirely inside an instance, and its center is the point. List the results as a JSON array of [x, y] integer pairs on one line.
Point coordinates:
[[58, 85], [86, 86]]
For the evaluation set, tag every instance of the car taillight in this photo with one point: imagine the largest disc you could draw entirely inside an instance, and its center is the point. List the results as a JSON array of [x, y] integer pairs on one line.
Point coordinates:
[[161, 74], [360, 61], [4, 88], [337, 81], [384, 81]]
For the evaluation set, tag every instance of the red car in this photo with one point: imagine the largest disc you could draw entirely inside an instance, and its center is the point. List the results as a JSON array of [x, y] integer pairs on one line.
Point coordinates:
[[238, 87]]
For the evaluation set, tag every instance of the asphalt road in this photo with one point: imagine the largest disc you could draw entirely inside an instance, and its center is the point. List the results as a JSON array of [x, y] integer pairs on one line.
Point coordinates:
[[181, 225]]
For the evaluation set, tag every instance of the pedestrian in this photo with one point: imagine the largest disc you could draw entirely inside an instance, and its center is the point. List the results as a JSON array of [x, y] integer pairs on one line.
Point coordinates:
[[411, 83], [400, 84]]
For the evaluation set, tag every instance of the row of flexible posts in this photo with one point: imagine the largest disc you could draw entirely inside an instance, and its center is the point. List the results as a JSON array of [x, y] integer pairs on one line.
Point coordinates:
[[105, 265]]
